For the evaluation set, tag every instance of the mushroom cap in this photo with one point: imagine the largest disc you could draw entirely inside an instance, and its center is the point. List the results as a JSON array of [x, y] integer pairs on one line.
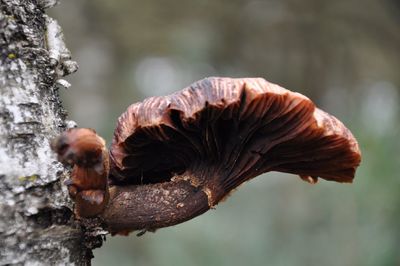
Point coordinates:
[[220, 132]]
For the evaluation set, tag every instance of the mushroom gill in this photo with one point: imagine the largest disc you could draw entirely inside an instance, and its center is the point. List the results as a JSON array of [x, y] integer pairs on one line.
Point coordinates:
[[220, 132]]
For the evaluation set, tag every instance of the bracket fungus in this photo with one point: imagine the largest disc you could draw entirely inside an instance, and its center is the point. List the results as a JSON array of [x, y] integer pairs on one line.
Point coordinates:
[[175, 157]]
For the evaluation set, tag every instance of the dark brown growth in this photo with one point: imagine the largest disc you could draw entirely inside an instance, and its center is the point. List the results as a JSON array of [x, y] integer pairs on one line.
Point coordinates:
[[88, 185], [174, 157]]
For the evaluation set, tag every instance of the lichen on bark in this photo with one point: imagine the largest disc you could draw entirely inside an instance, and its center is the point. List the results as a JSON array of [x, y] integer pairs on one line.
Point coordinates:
[[36, 223]]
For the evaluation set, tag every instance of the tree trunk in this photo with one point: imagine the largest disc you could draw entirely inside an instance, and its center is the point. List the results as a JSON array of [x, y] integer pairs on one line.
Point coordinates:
[[36, 221]]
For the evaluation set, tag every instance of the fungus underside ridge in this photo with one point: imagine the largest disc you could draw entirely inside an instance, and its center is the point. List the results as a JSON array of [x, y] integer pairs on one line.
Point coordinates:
[[258, 129]]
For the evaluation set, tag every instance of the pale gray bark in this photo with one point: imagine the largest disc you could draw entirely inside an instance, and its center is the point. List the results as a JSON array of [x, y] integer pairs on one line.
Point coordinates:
[[36, 222]]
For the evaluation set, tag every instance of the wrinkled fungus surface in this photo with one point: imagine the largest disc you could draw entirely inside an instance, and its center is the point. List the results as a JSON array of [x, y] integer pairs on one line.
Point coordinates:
[[222, 131]]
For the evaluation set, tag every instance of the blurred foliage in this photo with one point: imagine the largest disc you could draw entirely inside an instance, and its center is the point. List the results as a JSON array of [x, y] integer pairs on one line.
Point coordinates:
[[342, 54]]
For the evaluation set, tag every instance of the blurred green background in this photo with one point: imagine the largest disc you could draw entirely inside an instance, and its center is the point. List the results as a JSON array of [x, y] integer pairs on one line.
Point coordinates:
[[344, 55]]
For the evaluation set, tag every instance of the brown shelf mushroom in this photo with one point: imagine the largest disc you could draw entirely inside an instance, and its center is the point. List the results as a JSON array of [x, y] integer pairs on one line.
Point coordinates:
[[174, 157]]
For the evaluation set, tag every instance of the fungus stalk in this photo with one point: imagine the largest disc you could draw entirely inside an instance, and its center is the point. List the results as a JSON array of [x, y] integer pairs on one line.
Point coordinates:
[[123, 208]]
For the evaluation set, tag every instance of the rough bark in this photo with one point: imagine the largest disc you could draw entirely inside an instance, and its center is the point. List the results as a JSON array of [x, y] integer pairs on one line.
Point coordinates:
[[36, 221]]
